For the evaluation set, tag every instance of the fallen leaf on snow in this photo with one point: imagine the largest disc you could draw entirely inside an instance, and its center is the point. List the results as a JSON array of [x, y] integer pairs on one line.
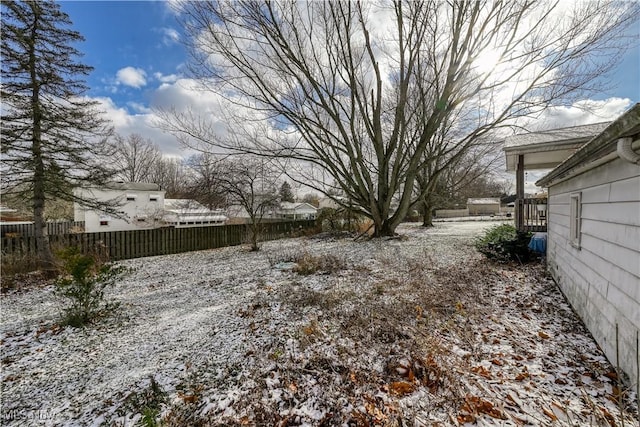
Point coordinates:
[[401, 388], [549, 413], [543, 335], [482, 371]]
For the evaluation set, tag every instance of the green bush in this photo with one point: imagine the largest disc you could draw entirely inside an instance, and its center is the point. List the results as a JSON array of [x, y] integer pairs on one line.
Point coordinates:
[[83, 284], [503, 243]]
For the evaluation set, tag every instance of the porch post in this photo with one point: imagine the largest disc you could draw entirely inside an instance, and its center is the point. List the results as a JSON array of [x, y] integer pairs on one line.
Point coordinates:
[[520, 192]]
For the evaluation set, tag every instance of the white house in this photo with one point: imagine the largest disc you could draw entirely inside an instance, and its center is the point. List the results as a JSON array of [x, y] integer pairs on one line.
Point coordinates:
[[189, 213], [593, 241], [138, 205], [297, 211]]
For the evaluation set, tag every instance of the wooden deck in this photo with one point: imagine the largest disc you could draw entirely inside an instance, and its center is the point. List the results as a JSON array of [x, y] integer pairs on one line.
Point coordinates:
[[531, 214]]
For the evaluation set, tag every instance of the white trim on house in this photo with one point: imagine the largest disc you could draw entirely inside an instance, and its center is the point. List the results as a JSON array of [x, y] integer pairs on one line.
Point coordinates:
[[575, 219]]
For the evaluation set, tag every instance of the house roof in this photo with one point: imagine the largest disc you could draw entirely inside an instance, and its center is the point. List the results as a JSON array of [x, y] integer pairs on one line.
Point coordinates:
[[302, 206], [603, 144], [545, 149], [484, 201], [140, 186], [554, 135], [182, 204]]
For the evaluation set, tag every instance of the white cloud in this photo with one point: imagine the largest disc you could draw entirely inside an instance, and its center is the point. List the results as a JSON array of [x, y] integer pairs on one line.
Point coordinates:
[[582, 113], [130, 76], [170, 36], [126, 123], [169, 78]]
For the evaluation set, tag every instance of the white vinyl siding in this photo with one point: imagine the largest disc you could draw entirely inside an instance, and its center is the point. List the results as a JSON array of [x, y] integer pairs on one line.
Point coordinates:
[[593, 253]]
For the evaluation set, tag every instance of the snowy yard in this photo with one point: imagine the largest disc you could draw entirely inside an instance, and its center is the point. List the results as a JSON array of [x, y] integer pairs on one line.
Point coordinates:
[[419, 330]]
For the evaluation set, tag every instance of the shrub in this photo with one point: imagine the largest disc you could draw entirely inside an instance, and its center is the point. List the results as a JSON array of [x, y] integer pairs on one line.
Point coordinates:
[[147, 402], [504, 243], [307, 264], [335, 220], [83, 285]]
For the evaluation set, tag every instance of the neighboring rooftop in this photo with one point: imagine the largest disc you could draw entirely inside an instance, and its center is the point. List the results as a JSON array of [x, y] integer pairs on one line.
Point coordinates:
[[140, 186], [483, 201], [293, 206], [183, 205]]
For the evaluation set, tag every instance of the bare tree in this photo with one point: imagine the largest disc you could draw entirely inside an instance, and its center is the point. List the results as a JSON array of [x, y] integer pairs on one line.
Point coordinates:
[[251, 184], [134, 158], [52, 136], [355, 93], [470, 176], [172, 176], [204, 185]]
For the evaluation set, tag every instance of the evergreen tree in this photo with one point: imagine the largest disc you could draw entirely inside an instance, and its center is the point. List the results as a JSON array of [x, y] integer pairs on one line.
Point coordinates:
[[52, 136], [286, 193]]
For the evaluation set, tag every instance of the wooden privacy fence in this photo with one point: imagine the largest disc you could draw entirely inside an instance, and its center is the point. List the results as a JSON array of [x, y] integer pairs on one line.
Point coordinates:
[[22, 229], [160, 241]]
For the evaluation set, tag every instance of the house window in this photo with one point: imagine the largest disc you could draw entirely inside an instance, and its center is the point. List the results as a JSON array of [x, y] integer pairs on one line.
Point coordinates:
[[131, 197], [153, 197], [104, 222], [575, 218]]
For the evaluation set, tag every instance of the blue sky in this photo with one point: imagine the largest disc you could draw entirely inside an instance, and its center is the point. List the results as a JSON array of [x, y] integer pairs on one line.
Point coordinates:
[[132, 45], [138, 59]]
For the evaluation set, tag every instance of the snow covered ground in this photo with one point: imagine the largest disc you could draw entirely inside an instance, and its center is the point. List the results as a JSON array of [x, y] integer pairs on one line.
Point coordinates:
[[418, 330]]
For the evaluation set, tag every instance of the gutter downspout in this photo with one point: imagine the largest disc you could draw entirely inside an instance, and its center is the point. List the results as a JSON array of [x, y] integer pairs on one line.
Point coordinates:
[[625, 151]]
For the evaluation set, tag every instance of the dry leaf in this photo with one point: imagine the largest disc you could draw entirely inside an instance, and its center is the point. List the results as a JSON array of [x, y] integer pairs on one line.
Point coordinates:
[[549, 414], [607, 415], [188, 398], [465, 418], [401, 388], [480, 406], [482, 371]]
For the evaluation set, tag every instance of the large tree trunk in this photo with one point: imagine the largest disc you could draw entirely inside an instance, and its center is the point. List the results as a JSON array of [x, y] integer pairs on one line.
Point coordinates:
[[254, 234], [45, 257], [427, 217], [385, 228]]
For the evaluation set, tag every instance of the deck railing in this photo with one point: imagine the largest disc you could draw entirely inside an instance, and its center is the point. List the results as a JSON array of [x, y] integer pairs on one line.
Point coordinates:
[[531, 214]]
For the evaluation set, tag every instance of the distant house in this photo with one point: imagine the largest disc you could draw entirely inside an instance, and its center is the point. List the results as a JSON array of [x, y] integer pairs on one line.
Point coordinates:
[[189, 213], [593, 241], [8, 214], [138, 205], [297, 211], [485, 206]]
